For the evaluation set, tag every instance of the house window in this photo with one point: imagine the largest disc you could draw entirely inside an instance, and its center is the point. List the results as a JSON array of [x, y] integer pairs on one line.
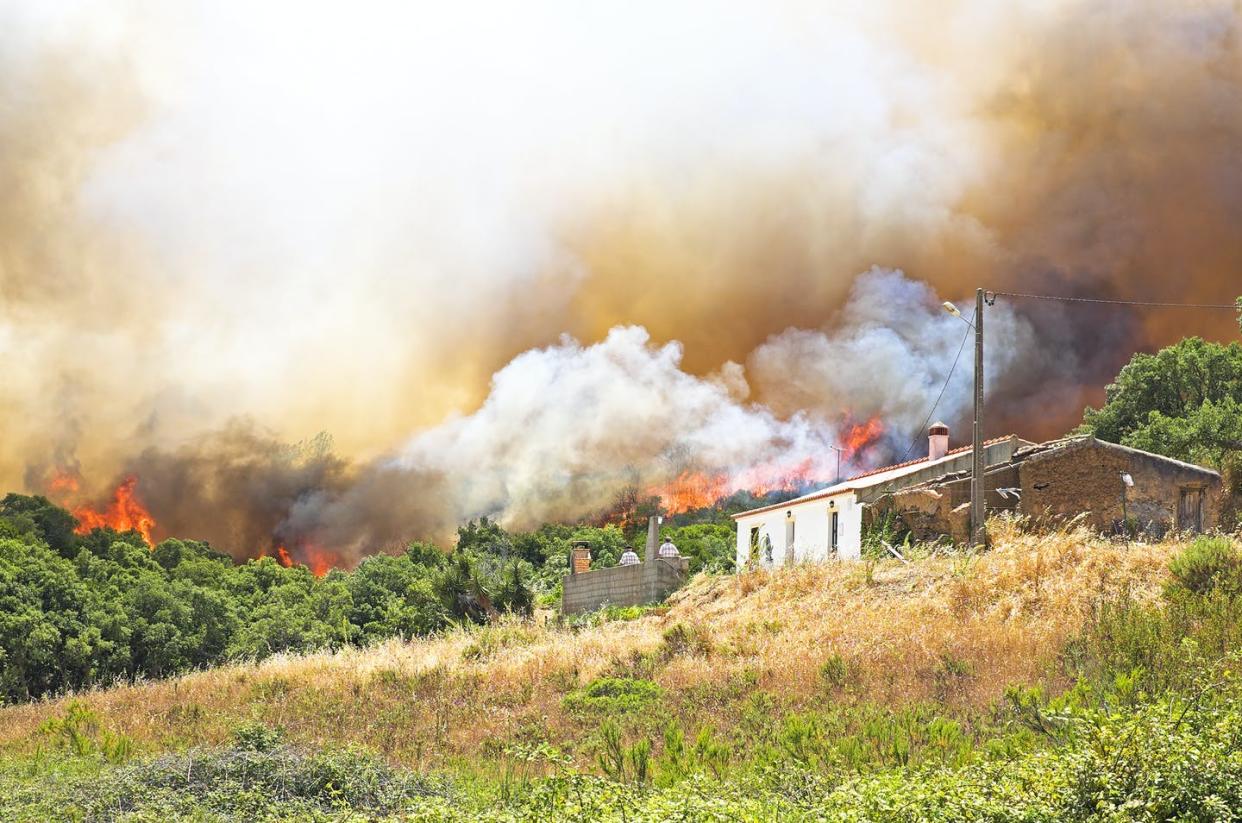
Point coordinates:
[[833, 534], [754, 546]]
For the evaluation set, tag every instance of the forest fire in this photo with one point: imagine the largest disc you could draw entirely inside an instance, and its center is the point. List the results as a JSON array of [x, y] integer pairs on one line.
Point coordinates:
[[859, 437], [695, 490], [125, 512], [319, 560]]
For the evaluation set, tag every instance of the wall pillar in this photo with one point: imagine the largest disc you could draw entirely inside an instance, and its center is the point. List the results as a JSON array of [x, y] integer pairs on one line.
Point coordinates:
[[653, 538]]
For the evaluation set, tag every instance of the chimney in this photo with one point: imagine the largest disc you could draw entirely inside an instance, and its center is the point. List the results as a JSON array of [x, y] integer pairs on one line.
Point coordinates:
[[937, 441]]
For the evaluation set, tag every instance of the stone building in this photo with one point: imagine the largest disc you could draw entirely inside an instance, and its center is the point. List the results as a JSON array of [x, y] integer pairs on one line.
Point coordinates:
[[1104, 484]]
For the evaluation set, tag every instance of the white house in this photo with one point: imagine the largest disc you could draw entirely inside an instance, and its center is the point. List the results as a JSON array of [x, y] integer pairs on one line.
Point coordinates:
[[827, 523]]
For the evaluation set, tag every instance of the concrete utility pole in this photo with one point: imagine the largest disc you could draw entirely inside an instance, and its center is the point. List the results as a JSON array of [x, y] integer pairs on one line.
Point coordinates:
[[978, 500], [978, 492]]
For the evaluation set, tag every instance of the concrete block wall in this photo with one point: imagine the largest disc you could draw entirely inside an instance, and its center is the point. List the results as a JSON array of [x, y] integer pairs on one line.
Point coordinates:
[[636, 585]]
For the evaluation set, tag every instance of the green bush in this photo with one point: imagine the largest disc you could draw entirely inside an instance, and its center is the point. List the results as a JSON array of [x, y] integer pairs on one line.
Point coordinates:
[[608, 696], [1207, 564]]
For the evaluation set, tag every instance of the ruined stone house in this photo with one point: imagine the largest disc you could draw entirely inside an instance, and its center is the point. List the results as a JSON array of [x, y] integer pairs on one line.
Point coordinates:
[[1111, 488]]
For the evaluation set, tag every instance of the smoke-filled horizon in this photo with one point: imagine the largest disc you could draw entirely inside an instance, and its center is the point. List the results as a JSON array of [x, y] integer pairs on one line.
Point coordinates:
[[515, 260]]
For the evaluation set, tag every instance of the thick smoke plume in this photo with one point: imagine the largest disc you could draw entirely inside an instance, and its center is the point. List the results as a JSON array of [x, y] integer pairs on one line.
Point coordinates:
[[214, 217]]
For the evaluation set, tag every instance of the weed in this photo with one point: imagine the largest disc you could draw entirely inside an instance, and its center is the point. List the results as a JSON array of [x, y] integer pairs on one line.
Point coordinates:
[[613, 696], [834, 672]]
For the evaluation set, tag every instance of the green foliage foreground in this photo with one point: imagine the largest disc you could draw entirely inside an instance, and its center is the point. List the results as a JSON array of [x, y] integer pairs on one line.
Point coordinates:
[[1150, 730], [1178, 757]]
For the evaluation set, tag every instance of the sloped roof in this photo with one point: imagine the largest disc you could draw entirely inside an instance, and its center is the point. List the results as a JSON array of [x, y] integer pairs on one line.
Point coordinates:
[[874, 477], [1038, 450]]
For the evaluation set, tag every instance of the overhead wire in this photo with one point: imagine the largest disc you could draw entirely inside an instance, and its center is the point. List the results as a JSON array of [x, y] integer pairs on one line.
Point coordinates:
[[1151, 303], [962, 347], [992, 295]]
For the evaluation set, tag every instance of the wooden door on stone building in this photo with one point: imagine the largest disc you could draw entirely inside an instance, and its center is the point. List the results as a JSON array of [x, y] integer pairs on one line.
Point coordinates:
[[1190, 510]]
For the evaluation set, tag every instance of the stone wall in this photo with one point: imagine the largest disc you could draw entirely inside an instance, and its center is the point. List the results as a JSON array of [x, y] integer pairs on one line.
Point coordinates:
[[1065, 479], [637, 585], [1084, 477], [943, 508]]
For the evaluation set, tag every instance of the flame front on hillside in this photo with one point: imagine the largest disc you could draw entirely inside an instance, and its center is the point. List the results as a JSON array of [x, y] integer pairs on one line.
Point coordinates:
[[125, 512]]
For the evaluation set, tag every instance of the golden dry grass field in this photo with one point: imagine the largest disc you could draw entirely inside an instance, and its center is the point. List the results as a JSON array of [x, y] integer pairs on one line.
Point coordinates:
[[951, 628]]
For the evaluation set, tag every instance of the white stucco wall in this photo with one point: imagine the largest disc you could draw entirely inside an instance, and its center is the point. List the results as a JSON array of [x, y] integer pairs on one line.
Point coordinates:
[[812, 523]]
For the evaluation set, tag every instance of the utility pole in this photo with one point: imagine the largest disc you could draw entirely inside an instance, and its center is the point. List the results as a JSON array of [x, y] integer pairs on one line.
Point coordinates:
[[978, 500]]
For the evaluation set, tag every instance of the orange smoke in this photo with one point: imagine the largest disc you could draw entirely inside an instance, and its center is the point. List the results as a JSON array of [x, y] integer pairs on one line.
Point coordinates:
[[124, 513], [63, 483]]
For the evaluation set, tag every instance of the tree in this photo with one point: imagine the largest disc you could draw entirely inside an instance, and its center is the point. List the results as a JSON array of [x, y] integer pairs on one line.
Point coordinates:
[[1182, 401], [51, 523]]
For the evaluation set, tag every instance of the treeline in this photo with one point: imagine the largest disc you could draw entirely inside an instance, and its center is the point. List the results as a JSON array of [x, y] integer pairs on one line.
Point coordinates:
[[79, 611]]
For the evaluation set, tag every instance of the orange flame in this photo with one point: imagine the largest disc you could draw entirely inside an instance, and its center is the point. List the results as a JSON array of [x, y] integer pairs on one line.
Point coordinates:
[[691, 490], [124, 513], [697, 490], [319, 560], [860, 436]]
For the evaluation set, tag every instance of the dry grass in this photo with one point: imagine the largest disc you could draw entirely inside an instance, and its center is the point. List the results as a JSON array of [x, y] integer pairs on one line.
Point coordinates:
[[947, 628]]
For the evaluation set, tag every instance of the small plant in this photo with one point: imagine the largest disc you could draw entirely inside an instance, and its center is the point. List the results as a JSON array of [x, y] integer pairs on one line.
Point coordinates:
[[256, 737], [610, 696], [834, 672], [682, 638], [79, 731], [619, 762]]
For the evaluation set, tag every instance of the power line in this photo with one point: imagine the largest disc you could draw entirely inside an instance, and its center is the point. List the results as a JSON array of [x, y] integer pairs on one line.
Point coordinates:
[[1228, 306], [940, 396]]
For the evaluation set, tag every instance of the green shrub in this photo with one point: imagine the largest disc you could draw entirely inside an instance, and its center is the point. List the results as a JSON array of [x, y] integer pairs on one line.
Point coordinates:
[[834, 671], [613, 696], [1207, 564], [682, 638], [256, 737]]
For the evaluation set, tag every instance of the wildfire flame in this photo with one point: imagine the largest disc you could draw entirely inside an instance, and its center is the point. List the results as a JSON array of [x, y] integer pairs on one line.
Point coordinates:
[[861, 436], [319, 560], [125, 512], [696, 490]]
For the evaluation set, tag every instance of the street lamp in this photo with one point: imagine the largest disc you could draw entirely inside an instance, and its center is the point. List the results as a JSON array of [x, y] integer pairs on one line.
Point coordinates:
[[978, 512], [838, 450]]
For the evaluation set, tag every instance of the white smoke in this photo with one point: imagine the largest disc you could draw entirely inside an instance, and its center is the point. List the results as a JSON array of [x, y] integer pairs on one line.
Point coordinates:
[[565, 428], [888, 355]]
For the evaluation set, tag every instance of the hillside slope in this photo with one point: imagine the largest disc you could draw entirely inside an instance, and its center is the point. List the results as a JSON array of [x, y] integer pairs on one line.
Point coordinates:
[[725, 652]]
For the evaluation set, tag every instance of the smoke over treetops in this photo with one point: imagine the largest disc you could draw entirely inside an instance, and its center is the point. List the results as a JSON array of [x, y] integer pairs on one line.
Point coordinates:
[[515, 269]]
